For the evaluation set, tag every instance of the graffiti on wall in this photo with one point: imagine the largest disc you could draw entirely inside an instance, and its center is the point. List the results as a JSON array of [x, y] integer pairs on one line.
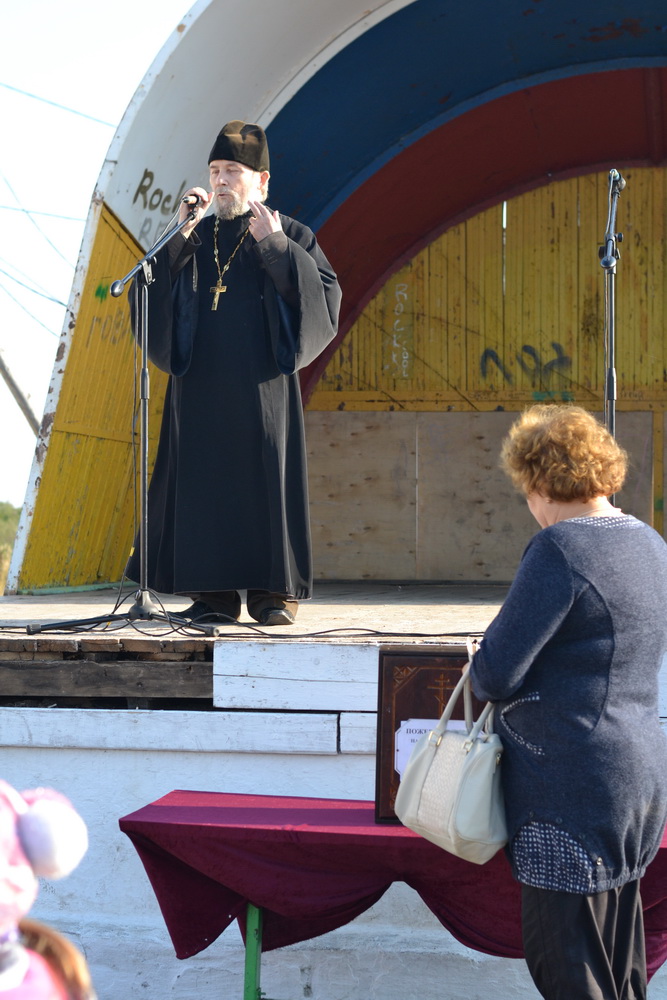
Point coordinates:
[[545, 374], [398, 347]]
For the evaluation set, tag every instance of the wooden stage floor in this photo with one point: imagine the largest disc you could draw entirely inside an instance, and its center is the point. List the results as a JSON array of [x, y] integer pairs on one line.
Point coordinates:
[[336, 608]]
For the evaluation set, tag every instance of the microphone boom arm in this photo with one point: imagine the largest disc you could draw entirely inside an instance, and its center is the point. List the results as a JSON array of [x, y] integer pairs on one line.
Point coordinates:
[[118, 286]]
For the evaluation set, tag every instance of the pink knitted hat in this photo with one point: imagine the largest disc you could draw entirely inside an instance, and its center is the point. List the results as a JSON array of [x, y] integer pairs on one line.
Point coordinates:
[[40, 835]]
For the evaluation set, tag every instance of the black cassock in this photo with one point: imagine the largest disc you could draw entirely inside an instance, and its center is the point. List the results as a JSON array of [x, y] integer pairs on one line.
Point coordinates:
[[228, 498]]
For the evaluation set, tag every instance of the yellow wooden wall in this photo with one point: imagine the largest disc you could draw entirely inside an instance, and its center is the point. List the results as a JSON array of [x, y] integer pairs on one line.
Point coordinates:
[[83, 522], [507, 308]]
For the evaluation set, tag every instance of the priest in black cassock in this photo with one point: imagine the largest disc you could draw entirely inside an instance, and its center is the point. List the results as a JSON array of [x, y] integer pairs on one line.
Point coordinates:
[[241, 300]]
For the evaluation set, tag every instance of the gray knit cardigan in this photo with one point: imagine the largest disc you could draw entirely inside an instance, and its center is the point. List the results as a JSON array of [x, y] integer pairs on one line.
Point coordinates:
[[572, 660]]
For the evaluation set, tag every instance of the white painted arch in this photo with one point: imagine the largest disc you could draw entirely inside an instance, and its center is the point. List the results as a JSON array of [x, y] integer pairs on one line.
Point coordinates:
[[227, 59]]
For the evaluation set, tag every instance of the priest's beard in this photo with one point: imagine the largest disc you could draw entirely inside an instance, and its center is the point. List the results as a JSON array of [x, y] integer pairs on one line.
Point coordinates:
[[230, 208]]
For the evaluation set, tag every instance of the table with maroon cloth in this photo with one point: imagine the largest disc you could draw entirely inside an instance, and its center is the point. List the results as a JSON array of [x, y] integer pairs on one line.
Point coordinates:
[[312, 865]]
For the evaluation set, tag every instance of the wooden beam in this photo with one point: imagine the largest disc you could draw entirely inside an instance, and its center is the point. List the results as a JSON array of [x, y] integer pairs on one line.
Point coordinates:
[[107, 679]]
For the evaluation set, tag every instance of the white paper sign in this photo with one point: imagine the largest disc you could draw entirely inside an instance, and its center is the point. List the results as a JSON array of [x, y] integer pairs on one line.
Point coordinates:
[[410, 732]]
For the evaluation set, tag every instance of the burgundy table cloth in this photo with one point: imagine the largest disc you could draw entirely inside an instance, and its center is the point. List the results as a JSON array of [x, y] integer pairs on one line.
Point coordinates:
[[315, 864]]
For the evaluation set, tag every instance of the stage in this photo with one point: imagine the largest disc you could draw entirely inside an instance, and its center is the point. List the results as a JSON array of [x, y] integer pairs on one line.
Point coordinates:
[[148, 661]]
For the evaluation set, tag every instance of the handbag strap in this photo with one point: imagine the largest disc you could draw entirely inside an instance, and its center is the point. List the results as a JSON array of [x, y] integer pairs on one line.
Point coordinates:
[[464, 686], [473, 646]]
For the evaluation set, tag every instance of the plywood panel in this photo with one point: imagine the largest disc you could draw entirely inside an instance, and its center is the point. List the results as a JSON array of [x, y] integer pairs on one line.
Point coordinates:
[[634, 431], [471, 523], [422, 497], [362, 475]]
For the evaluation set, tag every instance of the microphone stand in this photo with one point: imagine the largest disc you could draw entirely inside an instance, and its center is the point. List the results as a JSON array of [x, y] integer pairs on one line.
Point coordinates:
[[144, 608], [609, 254]]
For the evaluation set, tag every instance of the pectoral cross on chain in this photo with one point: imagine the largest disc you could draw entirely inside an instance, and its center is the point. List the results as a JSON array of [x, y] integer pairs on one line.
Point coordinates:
[[219, 288], [217, 292]]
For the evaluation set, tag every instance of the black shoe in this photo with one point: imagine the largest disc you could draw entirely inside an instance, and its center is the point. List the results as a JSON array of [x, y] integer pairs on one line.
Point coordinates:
[[200, 611], [276, 616]]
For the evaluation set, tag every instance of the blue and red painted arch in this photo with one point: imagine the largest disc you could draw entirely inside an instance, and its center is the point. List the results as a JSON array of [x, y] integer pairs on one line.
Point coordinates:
[[445, 108]]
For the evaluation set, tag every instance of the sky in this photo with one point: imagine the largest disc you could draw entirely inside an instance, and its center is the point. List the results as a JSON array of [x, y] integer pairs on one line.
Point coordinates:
[[87, 57]]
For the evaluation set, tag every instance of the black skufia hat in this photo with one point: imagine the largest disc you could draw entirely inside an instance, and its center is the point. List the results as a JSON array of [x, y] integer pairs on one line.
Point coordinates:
[[244, 143]]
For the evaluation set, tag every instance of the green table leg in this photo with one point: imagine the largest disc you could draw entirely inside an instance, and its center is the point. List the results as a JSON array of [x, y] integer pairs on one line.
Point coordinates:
[[253, 953]]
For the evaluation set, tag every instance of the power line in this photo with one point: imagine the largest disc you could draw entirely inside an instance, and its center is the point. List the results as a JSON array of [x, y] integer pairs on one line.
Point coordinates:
[[42, 295], [53, 104], [29, 211], [28, 277], [30, 219], [31, 315]]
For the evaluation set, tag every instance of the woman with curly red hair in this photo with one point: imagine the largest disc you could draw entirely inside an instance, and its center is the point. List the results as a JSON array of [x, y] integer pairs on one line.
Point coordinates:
[[572, 662]]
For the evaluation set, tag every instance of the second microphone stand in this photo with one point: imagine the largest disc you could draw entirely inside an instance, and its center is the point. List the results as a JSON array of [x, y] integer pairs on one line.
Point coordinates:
[[609, 254]]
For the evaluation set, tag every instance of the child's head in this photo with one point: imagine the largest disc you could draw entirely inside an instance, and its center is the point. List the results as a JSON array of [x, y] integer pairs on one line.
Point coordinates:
[[40, 835]]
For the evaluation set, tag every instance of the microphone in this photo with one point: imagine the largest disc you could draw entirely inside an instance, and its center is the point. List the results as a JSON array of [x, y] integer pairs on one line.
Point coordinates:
[[196, 199], [616, 179]]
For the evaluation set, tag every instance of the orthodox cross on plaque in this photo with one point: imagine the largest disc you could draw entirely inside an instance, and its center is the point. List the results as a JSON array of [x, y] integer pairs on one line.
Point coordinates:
[[442, 691]]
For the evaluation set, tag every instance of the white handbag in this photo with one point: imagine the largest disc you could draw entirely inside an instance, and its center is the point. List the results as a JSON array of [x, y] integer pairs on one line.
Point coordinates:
[[451, 791]]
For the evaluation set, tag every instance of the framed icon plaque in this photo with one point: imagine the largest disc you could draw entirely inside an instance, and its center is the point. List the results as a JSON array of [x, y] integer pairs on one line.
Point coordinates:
[[414, 686]]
